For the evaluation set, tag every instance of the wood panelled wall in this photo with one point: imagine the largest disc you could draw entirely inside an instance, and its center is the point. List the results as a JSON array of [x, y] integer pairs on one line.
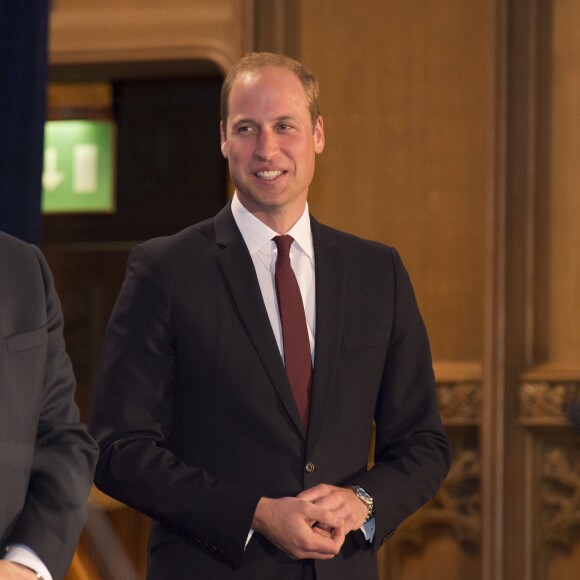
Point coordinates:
[[405, 99], [452, 134]]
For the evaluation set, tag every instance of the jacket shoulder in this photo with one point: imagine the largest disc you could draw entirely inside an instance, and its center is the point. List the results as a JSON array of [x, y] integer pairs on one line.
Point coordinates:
[[21, 263], [349, 242], [188, 240], [14, 249]]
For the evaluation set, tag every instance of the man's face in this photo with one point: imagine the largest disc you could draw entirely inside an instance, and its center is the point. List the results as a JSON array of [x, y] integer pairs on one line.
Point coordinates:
[[270, 144]]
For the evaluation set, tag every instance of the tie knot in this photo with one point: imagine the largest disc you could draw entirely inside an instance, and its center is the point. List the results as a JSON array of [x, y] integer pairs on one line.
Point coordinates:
[[283, 244]]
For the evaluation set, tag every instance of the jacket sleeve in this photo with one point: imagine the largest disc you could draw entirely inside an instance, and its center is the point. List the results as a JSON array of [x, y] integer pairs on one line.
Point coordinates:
[[132, 423], [412, 451], [64, 455]]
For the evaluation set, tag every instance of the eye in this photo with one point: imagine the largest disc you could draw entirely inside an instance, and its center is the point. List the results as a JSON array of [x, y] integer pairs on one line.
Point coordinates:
[[245, 129]]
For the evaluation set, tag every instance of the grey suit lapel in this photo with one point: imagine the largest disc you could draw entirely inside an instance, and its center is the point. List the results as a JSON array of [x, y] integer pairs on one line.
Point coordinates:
[[240, 275]]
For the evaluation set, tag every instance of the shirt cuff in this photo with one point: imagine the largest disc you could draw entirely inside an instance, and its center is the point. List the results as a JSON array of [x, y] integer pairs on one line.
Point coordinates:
[[368, 530], [21, 554]]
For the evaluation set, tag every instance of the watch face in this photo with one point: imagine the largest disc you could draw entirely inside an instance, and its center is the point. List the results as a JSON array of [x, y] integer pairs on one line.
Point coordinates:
[[363, 494], [365, 498]]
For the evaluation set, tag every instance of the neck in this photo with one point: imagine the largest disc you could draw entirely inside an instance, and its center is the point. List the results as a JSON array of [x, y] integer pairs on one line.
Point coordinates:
[[279, 223], [279, 219]]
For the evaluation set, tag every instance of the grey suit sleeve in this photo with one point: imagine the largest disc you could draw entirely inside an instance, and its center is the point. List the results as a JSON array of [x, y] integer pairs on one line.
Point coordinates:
[[64, 455]]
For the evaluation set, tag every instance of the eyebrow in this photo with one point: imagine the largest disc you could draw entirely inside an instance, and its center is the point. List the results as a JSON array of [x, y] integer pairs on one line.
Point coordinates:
[[254, 122]]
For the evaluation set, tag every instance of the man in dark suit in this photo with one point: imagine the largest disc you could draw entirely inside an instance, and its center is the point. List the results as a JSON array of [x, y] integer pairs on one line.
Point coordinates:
[[47, 458], [241, 424]]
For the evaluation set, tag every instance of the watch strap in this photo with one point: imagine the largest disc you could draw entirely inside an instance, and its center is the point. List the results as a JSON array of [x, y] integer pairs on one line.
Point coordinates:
[[366, 498]]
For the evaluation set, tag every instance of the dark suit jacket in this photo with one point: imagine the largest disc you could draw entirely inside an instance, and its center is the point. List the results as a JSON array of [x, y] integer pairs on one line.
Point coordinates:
[[46, 456], [196, 419]]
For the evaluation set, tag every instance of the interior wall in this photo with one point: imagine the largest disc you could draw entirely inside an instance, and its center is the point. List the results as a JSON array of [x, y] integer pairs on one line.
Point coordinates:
[[405, 91], [564, 176]]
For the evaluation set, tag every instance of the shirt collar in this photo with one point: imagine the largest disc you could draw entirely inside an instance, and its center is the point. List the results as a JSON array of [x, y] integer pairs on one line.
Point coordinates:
[[257, 234]]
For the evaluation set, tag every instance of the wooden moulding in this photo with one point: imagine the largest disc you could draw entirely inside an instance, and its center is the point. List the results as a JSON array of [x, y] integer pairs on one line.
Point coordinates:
[[83, 32]]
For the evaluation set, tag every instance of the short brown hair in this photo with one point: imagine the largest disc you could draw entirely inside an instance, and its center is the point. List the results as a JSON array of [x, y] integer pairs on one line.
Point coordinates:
[[255, 61]]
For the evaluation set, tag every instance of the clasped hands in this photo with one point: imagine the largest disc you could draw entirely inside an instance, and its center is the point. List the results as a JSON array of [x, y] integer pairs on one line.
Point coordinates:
[[313, 524]]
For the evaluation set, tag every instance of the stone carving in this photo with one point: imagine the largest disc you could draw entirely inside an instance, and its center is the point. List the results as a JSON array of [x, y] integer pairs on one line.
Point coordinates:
[[547, 401], [560, 493], [460, 402]]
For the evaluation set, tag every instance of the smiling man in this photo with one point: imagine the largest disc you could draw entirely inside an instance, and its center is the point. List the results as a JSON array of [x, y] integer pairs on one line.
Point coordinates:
[[247, 358]]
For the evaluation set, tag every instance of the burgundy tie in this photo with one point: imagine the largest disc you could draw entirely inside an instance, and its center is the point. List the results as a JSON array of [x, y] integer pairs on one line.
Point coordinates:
[[297, 355]]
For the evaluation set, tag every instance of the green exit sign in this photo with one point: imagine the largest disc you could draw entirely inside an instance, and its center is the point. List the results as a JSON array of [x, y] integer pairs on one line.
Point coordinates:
[[78, 167]]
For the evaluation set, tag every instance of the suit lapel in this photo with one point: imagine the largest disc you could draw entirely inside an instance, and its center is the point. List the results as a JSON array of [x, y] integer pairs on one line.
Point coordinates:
[[330, 298], [240, 275]]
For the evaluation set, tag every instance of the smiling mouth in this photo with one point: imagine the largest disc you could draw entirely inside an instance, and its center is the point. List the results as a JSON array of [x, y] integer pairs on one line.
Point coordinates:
[[268, 175]]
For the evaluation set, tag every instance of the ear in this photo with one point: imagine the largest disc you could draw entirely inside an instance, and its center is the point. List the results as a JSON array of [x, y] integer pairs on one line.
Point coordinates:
[[223, 140], [319, 135]]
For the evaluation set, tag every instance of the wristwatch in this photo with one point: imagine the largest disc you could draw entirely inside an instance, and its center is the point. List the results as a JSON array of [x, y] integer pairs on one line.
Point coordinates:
[[365, 498]]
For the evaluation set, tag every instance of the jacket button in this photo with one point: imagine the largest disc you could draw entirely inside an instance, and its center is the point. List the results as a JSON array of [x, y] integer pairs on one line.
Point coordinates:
[[309, 467]]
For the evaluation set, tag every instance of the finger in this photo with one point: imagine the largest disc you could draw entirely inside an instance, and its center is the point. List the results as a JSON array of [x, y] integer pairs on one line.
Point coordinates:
[[326, 543], [313, 493], [323, 544], [320, 515], [339, 535], [325, 533]]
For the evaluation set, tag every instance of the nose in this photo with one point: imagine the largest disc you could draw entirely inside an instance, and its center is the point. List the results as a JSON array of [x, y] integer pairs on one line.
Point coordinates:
[[266, 145]]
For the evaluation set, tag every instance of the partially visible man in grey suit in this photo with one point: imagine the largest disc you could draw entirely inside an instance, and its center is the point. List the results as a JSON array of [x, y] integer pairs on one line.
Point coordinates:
[[46, 455]]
